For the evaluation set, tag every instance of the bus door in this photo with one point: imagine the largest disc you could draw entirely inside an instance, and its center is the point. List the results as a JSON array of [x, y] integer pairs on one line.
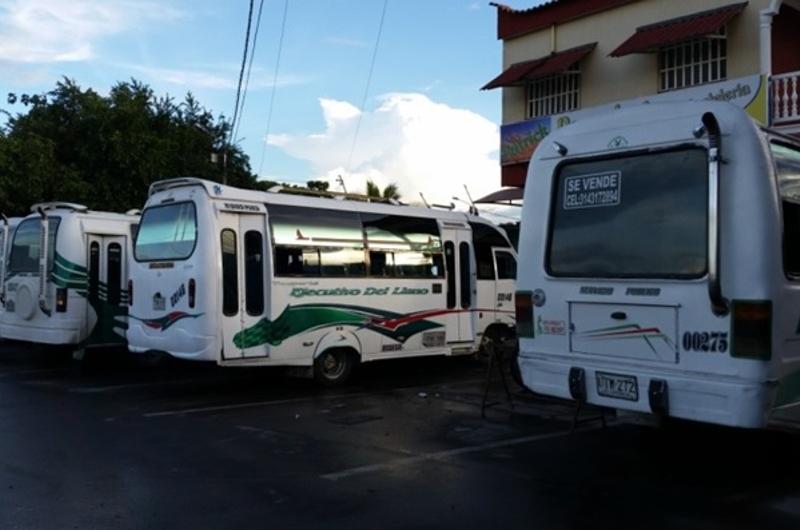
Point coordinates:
[[243, 286], [107, 278], [460, 281]]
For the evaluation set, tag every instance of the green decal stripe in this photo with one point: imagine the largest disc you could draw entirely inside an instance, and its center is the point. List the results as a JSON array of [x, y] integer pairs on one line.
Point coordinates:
[[61, 261], [293, 321], [299, 319]]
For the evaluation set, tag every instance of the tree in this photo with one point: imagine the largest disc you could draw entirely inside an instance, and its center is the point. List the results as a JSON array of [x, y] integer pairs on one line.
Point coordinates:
[[389, 192], [104, 151], [318, 185]]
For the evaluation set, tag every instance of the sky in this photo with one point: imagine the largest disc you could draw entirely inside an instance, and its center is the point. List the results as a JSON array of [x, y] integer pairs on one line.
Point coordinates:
[[422, 122]]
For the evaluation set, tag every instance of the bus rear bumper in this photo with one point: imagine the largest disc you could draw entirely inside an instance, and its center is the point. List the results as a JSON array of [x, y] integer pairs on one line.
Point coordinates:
[[63, 333], [724, 402], [177, 343]]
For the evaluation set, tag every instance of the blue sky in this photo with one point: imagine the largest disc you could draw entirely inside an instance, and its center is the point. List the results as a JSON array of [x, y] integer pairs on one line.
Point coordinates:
[[433, 57]]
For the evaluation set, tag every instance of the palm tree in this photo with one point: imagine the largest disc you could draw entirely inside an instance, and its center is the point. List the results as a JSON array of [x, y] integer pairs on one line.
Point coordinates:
[[389, 192]]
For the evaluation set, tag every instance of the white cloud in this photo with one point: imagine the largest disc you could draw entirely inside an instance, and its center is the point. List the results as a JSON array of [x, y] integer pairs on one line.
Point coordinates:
[[410, 140], [47, 31], [220, 77]]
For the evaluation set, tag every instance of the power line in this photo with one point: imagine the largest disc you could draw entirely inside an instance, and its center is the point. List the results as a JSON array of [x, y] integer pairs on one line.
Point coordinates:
[[241, 71], [249, 67], [366, 87], [274, 84]]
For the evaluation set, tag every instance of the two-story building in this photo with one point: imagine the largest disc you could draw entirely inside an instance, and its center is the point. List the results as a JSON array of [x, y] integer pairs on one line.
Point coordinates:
[[567, 59]]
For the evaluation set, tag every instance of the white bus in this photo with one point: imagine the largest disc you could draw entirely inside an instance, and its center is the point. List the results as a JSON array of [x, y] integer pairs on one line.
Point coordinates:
[[257, 278], [6, 233], [659, 265], [66, 280]]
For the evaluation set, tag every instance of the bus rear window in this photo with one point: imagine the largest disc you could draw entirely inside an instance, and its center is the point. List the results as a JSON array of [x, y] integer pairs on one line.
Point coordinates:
[[25, 250], [167, 232], [641, 216]]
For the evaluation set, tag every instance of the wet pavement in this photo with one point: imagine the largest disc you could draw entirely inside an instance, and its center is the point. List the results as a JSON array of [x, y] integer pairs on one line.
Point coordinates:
[[118, 443]]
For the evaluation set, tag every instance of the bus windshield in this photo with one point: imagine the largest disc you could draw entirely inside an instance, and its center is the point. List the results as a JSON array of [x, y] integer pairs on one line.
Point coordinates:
[[167, 232], [639, 216], [25, 250]]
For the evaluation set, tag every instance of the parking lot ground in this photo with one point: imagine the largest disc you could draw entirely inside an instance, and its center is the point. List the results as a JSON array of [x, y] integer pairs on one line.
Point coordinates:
[[115, 442]]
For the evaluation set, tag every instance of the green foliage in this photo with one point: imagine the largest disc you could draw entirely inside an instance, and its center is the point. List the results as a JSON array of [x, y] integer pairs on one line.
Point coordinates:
[[104, 151], [389, 192], [318, 185]]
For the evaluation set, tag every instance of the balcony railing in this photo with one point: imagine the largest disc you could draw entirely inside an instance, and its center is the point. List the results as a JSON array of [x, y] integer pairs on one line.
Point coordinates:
[[785, 104]]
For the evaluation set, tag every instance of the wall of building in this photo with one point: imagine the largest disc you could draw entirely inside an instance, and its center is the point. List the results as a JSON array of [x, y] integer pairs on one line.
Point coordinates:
[[606, 79]]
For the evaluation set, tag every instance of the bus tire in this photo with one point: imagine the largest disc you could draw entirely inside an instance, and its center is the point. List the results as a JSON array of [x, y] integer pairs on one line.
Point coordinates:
[[334, 366]]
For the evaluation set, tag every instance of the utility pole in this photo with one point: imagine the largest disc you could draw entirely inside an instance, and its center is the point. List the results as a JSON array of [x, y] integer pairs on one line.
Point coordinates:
[[340, 180]]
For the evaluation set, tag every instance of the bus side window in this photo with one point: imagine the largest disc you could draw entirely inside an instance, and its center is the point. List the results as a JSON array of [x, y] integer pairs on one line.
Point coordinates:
[[787, 167], [450, 263], [230, 273], [114, 273], [506, 265], [381, 263], [94, 270], [484, 238], [254, 272], [466, 288], [791, 238]]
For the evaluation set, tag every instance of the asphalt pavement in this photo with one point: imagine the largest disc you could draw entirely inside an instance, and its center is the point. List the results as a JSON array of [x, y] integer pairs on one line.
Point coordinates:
[[115, 442]]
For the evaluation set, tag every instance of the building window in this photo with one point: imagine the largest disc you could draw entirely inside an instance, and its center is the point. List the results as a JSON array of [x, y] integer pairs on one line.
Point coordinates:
[[554, 94], [691, 63]]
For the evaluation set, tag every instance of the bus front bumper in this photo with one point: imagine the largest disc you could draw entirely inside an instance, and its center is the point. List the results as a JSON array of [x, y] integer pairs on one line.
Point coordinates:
[[177, 343], [736, 403], [61, 332]]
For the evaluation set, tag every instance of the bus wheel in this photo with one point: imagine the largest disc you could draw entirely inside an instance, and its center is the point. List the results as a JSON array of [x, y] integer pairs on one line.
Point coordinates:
[[333, 367]]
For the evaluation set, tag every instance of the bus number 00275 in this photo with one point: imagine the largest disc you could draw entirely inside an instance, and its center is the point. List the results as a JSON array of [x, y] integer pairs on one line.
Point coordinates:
[[709, 341]]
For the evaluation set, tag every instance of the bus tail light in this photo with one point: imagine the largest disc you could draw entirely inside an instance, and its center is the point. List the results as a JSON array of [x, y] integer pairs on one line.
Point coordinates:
[[523, 305], [752, 329], [192, 290], [61, 300], [130, 292]]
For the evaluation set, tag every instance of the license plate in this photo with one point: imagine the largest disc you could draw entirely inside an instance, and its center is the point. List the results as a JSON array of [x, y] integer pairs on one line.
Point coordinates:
[[617, 386]]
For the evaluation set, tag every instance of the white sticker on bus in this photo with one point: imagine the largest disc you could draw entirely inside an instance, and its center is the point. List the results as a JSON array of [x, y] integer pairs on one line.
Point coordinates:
[[590, 191]]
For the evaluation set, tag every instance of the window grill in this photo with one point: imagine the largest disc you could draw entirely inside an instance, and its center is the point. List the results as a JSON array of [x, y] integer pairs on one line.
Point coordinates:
[[554, 94], [695, 62]]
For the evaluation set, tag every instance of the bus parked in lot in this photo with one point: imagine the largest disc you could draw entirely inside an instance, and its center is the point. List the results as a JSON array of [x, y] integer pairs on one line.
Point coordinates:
[[258, 278], [659, 265], [6, 233], [66, 278]]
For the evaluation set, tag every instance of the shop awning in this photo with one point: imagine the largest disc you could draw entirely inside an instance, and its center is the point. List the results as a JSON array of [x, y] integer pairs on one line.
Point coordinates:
[[654, 36], [554, 63], [505, 195]]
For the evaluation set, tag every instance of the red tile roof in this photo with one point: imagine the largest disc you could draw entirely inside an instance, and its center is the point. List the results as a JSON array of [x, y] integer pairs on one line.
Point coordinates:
[[653, 36], [516, 22], [554, 63]]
